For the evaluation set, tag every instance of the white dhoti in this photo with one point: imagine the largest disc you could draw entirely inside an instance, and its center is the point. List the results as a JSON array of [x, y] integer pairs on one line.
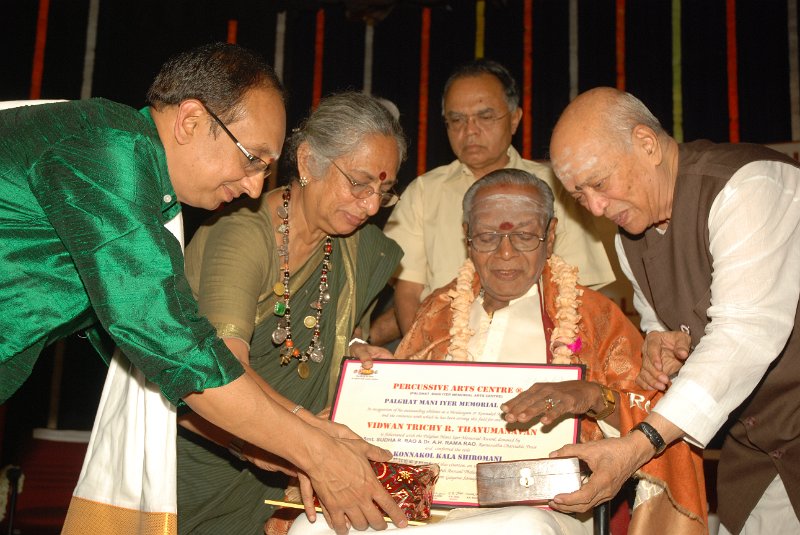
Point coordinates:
[[128, 483]]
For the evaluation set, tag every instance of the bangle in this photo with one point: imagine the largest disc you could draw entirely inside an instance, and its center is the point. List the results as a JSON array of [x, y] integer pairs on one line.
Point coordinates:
[[652, 435], [297, 409], [235, 447], [356, 341]]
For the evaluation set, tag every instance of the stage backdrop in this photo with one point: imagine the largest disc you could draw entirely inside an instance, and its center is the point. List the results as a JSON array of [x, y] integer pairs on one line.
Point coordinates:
[[717, 69]]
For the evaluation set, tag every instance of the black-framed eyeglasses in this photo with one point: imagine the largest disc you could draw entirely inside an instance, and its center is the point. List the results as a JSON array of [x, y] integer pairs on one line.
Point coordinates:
[[487, 242], [364, 191], [484, 119], [255, 164]]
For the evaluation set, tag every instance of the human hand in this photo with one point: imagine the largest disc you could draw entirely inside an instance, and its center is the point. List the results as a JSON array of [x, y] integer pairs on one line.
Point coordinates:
[[366, 353], [612, 461], [347, 487], [333, 429], [552, 400], [267, 461], [663, 354]]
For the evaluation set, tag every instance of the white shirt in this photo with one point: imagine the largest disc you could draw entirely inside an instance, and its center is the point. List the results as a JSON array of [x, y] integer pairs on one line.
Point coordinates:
[[514, 333], [754, 237]]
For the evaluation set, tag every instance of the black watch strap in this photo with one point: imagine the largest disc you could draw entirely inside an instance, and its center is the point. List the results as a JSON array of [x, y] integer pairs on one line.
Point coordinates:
[[652, 435]]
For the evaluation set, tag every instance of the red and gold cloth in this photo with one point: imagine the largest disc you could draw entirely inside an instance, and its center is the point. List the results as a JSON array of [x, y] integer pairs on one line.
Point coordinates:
[[410, 485]]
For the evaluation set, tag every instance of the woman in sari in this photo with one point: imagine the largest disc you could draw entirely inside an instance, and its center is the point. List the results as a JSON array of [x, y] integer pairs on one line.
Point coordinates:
[[287, 280]]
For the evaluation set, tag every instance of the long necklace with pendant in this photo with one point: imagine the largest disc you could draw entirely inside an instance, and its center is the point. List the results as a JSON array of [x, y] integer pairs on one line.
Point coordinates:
[[282, 335]]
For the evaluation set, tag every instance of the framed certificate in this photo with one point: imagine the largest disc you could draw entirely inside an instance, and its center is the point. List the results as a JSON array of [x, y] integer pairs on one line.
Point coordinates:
[[448, 413]]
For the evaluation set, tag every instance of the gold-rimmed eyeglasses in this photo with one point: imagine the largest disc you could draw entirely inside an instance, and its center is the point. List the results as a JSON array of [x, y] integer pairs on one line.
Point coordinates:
[[487, 242], [484, 119], [360, 190], [255, 165]]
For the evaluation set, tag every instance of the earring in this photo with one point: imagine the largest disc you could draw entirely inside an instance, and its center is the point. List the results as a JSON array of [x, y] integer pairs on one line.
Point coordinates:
[[303, 182]]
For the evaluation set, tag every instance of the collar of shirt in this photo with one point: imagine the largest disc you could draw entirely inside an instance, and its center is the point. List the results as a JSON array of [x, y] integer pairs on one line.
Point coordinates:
[[515, 333], [514, 162], [170, 207], [533, 290]]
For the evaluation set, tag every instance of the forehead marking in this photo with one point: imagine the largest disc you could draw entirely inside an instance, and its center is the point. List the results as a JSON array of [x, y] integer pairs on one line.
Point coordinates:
[[382, 176], [506, 225], [572, 163]]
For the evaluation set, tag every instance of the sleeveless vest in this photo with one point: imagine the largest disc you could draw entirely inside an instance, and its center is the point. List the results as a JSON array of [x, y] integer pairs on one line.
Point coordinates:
[[674, 271]]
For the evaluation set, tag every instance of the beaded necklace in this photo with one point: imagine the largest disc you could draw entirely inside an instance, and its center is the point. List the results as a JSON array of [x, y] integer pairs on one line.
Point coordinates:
[[282, 335]]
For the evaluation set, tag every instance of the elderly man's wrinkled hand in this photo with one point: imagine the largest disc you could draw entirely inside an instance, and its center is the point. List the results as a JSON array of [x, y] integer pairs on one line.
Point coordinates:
[[663, 355], [551, 401], [612, 461], [348, 488]]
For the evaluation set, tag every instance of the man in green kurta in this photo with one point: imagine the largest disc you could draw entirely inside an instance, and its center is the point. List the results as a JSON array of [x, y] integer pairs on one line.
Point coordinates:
[[85, 196], [85, 190]]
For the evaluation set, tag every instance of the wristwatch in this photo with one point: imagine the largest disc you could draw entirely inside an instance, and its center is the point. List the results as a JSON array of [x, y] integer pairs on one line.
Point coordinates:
[[652, 435], [609, 404]]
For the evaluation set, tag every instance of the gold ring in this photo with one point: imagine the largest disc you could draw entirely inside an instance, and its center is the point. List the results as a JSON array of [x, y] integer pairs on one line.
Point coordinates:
[[549, 404]]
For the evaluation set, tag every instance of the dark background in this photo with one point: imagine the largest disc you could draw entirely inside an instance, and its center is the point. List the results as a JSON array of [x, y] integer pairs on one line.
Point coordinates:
[[135, 38]]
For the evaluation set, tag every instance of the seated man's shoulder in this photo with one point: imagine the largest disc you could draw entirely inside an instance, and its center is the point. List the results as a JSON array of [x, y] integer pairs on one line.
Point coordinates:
[[437, 300], [597, 305]]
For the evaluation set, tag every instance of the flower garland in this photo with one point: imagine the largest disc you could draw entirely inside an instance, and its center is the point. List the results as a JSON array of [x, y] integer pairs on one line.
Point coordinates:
[[564, 340], [460, 333]]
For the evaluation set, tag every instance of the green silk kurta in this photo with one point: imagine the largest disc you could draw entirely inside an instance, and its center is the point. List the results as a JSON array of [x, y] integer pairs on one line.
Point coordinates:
[[84, 195], [233, 265]]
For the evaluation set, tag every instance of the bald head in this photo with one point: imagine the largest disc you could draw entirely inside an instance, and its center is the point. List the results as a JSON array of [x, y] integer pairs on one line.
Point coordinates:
[[597, 121], [613, 156]]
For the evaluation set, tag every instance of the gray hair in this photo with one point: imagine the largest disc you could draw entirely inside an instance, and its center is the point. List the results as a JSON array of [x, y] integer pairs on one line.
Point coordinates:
[[626, 112], [339, 125], [515, 177], [480, 67]]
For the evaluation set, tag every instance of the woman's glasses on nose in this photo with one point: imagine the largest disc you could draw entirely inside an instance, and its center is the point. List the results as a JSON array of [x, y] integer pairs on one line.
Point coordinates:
[[363, 191]]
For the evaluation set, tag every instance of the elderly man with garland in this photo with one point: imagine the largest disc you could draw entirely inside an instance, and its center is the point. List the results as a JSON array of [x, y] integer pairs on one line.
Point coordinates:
[[513, 301]]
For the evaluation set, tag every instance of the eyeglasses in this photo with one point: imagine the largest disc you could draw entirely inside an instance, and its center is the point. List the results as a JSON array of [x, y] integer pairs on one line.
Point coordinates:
[[484, 119], [487, 242], [255, 164], [364, 191]]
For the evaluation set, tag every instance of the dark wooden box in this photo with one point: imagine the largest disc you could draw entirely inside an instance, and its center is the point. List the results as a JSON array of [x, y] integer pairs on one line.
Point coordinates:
[[527, 481]]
